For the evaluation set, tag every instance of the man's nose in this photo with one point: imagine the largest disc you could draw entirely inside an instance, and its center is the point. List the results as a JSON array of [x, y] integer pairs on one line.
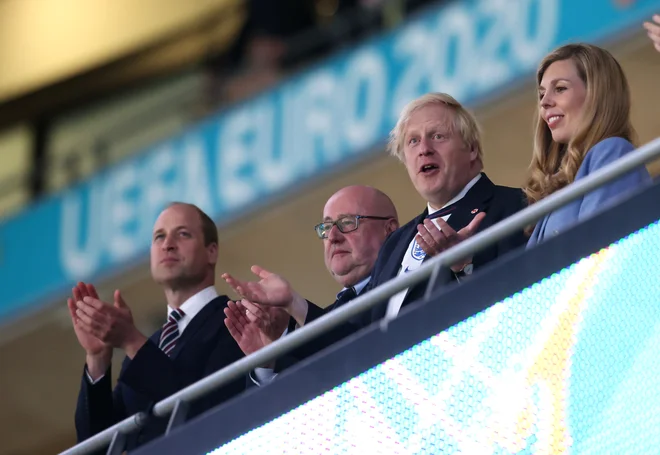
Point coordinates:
[[335, 234], [168, 244], [425, 147]]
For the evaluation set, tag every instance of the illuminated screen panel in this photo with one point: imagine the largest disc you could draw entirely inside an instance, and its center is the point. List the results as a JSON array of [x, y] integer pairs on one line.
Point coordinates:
[[568, 365]]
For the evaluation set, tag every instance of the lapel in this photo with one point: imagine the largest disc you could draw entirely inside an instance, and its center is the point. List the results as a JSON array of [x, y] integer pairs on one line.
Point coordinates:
[[393, 264], [474, 202], [200, 319], [539, 231], [155, 338]]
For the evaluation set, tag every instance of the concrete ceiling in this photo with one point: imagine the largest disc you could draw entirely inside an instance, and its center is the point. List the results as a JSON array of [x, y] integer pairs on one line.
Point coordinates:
[[42, 362], [75, 36]]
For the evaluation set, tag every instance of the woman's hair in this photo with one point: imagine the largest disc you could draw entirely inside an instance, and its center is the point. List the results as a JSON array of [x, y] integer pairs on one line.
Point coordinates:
[[605, 113]]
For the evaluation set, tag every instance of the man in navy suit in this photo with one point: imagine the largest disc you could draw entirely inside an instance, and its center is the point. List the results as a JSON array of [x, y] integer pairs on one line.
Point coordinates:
[[439, 143], [193, 343], [356, 222]]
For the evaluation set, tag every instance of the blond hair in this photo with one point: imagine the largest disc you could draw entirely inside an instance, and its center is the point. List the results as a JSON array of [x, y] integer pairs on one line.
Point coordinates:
[[605, 113], [464, 123]]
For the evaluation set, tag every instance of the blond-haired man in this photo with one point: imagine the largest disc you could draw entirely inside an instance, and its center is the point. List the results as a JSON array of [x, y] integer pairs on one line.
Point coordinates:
[[439, 142]]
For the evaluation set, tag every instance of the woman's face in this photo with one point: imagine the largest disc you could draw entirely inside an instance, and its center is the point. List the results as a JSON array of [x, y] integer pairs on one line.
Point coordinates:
[[562, 94]]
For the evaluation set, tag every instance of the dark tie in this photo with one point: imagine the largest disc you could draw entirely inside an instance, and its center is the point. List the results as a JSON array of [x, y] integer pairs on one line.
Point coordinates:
[[170, 333], [443, 211], [344, 296]]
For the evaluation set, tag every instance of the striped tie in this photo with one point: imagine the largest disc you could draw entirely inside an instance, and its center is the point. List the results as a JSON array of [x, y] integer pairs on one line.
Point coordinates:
[[170, 332]]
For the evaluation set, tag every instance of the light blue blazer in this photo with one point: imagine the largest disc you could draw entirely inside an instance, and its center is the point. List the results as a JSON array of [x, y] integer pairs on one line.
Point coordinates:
[[598, 156]]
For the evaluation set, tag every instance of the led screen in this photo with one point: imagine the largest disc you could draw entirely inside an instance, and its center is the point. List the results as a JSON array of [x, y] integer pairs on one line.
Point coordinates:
[[568, 365]]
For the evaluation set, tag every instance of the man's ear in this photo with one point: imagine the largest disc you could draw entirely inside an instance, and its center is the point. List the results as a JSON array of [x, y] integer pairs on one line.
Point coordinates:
[[392, 225], [474, 152], [212, 253]]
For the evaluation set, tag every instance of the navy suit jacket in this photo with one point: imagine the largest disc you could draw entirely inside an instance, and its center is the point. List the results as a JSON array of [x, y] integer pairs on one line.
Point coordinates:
[[600, 155], [498, 202], [204, 347], [322, 341]]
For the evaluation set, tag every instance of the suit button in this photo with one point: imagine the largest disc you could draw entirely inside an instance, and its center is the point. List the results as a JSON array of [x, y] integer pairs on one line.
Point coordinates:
[[555, 232]]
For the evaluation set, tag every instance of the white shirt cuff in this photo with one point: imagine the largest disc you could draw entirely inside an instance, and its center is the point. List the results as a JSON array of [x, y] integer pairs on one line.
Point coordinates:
[[265, 375], [89, 378]]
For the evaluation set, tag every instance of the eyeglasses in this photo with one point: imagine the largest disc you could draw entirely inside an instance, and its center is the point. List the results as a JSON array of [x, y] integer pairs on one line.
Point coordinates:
[[347, 223]]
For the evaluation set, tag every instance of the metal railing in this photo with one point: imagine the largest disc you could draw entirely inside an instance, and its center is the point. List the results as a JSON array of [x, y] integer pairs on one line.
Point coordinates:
[[176, 405]]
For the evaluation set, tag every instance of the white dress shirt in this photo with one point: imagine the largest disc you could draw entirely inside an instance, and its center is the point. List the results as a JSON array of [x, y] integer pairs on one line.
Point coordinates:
[[360, 286], [414, 256], [190, 308]]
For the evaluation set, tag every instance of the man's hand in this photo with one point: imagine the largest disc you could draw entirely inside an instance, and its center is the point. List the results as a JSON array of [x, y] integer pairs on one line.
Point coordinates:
[[112, 324], [271, 289], [271, 321], [99, 354], [91, 344], [256, 328], [436, 239], [653, 30]]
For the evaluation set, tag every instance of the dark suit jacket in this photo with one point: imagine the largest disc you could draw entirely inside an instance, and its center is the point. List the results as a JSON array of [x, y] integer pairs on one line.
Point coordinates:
[[312, 347], [204, 347], [498, 202]]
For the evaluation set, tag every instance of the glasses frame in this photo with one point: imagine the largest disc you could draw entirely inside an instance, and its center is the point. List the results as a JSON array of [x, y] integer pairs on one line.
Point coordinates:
[[357, 223]]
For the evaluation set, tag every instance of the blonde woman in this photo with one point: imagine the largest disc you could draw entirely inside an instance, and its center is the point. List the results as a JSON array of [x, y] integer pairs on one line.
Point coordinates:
[[583, 124]]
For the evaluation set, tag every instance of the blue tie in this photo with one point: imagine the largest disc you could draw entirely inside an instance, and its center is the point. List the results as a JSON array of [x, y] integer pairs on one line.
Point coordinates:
[[345, 296], [443, 211], [170, 333]]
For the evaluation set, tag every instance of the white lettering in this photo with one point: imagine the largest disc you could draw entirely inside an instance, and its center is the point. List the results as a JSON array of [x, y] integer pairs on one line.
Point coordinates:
[[311, 126], [122, 210], [196, 182], [321, 114], [160, 186], [80, 251], [492, 68], [530, 48], [455, 26], [366, 71], [412, 48], [267, 165], [296, 157], [233, 159]]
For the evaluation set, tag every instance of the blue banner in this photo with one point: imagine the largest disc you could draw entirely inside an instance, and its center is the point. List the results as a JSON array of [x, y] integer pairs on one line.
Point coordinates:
[[316, 120]]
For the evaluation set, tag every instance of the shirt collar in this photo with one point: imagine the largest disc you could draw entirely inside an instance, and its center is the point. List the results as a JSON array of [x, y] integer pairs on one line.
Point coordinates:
[[194, 305], [458, 197], [358, 287]]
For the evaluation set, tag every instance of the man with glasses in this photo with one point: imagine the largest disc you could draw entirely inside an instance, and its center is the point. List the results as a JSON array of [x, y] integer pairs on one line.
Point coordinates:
[[356, 222]]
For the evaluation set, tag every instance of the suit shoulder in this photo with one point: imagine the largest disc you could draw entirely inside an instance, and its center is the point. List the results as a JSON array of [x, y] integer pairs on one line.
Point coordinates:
[[395, 236], [410, 224], [509, 195], [220, 300], [216, 305]]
